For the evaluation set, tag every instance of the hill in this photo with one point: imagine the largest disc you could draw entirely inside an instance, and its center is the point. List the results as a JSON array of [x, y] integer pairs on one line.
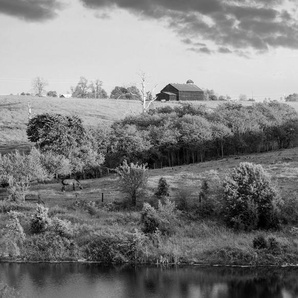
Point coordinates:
[[14, 112]]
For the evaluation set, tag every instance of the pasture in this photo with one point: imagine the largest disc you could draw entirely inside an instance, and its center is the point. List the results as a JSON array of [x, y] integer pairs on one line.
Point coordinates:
[[93, 112], [281, 165]]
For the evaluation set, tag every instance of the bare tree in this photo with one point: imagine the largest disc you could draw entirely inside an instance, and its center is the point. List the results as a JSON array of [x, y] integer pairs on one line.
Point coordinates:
[[147, 97], [97, 88], [39, 85]]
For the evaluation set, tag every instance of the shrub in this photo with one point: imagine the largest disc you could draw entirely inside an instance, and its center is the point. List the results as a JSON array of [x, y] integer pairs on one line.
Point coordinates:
[[107, 248], [6, 206], [13, 236], [61, 227], [133, 180], [162, 188], [40, 220], [49, 246], [273, 244], [289, 210], [17, 189], [250, 201], [206, 206], [163, 219], [259, 242], [183, 198]]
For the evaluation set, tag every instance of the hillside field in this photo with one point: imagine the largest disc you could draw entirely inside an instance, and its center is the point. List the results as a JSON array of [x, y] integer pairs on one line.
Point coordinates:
[[93, 112]]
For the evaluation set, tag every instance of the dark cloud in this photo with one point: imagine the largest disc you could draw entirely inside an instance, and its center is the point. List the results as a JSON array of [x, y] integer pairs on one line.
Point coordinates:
[[31, 10], [224, 50], [239, 25], [203, 50]]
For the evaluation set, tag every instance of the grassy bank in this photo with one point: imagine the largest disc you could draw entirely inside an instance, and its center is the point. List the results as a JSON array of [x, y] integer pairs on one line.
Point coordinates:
[[79, 226]]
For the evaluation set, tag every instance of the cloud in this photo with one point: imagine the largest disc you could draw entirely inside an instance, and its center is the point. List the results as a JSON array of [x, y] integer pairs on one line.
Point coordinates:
[[31, 10], [240, 25], [224, 50], [203, 50]]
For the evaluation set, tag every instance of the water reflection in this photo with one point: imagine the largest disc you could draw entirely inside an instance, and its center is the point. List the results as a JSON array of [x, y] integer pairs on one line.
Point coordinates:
[[86, 280]]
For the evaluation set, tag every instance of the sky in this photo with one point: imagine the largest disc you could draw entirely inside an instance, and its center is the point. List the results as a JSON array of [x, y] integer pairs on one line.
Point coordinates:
[[231, 46]]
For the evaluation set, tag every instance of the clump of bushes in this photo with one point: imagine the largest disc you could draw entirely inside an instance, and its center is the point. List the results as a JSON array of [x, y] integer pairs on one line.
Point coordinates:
[[40, 220], [49, 246], [250, 201], [164, 218], [271, 244], [12, 237], [114, 248]]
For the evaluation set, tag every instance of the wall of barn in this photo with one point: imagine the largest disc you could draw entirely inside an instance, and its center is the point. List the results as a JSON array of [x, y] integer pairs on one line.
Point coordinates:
[[191, 95]]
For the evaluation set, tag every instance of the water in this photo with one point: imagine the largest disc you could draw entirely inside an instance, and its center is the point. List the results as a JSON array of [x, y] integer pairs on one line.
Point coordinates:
[[86, 280]]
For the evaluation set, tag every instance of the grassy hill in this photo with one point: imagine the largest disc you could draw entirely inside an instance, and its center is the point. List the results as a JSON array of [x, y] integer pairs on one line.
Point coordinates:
[[14, 112], [93, 112]]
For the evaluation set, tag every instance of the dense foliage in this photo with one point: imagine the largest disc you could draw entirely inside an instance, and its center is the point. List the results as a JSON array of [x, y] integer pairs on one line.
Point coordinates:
[[250, 200], [185, 134], [133, 180], [66, 145]]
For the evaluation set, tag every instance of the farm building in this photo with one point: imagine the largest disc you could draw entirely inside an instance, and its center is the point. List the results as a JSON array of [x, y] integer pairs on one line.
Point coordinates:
[[181, 92]]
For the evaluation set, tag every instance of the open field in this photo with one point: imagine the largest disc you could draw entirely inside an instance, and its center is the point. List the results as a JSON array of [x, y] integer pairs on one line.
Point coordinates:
[[195, 241], [281, 165], [93, 112]]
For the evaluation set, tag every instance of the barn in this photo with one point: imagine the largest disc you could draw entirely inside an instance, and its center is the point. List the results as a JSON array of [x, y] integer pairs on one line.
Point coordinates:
[[181, 92]]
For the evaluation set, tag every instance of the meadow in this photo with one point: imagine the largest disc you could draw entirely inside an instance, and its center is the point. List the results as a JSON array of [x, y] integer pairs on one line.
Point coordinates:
[[93, 112], [94, 224], [195, 241]]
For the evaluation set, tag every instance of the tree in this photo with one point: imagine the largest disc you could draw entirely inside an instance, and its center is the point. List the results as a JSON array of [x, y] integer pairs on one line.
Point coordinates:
[[292, 97], [56, 132], [162, 188], [133, 180], [147, 96], [96, 90], [52, 94], [81, 90], [209, 94], [250, 201], [133, 93], [119, 92], [39, 85], [242, 97]]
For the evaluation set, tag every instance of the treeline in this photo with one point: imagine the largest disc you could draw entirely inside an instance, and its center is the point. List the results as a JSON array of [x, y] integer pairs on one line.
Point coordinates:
[[171, 136]]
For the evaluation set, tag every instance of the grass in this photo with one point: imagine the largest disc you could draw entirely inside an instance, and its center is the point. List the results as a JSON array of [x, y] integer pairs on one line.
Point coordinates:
[[199, 241], [94, 112]]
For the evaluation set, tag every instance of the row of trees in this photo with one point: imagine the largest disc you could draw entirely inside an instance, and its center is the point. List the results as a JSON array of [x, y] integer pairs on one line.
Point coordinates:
[[188, 134], [167, 136]]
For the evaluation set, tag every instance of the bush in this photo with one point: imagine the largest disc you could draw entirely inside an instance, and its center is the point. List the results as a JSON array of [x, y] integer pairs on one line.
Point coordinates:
[[49, 246], [289, 210], [107, 248], [162, 188], [183, 198], [13, 237], [40, 220], [61, 227], [259, 242], [163, 219], [250, 201]]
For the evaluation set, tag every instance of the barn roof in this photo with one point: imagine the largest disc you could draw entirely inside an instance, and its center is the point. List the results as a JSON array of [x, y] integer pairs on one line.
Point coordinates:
[[186, 87]]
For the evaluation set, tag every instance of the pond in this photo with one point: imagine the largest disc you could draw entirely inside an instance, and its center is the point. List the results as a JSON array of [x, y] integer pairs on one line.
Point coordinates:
[[92, 280]]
